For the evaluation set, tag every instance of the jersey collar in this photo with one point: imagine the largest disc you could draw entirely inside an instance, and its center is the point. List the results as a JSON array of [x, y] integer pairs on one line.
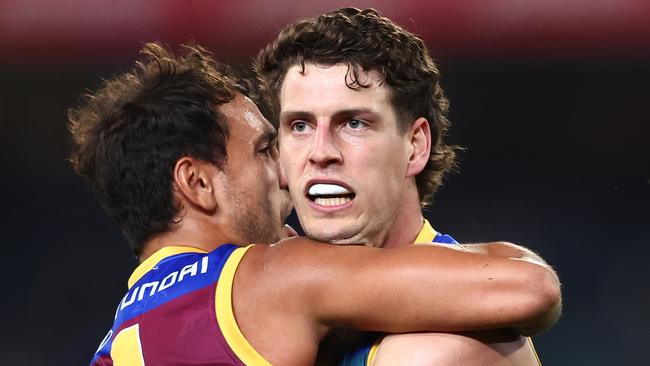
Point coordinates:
[[427, 233], [156, 257]]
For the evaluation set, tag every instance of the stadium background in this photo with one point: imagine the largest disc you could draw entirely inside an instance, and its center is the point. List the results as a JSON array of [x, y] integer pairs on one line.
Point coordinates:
[[550, 98]]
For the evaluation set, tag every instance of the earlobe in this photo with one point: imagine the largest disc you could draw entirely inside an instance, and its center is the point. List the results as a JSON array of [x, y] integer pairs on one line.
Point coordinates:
[[193, 179], [420, 140]]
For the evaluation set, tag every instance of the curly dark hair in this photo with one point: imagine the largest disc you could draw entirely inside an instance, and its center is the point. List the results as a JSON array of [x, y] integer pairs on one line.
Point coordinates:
[[128, 135], [364, 40]]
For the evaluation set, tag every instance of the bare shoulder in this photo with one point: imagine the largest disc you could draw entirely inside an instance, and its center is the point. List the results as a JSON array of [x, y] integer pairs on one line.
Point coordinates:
[[422, 349], [291, 264], [272, 287], [295, 253]]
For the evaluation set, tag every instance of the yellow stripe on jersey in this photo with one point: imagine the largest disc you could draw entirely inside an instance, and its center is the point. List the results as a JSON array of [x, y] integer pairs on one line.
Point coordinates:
[[156, 257], [226, 317], [127, 348], [532, 346], [373, 351], [427, 233]]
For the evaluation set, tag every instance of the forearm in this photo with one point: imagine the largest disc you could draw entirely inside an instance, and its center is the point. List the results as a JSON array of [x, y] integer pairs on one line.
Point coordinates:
[[495, 291], [550, 283], [409, 289]]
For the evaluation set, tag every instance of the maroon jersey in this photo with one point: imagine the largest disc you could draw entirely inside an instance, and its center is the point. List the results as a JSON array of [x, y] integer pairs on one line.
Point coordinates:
[[178, 311]]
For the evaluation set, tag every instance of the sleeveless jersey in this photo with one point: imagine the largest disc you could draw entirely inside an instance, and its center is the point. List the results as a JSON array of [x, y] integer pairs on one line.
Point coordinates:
[[178, 311]]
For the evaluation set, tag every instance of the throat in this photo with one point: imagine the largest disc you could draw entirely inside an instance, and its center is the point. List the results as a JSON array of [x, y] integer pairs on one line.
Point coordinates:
[[404, 229]]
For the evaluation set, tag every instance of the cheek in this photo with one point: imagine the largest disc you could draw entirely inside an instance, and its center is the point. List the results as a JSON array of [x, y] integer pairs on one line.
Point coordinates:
[[289, 161], [382, 162], [381, 155], [394, 152]]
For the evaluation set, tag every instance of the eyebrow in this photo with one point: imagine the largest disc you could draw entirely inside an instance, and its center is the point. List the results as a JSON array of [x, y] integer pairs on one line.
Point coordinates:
[[269, 135], [291, 115], [354, 112]]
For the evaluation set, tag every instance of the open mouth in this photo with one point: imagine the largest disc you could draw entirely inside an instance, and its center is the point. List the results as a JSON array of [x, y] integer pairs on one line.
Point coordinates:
[[326, 194]]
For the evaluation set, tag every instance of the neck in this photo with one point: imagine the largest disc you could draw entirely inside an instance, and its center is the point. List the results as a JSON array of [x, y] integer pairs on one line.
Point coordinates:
[[190, 232], [405, 225], [403, 233]]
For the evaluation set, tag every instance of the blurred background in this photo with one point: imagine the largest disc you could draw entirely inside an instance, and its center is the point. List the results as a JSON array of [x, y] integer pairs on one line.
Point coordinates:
[[550, 99]]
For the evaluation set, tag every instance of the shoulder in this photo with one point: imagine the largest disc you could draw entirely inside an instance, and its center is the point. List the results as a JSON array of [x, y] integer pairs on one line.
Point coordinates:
[[431, 349], [297, 252], [287, 267], [481, 348]]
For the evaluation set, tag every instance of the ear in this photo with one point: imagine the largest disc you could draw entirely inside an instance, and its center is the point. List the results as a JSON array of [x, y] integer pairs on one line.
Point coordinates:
[[193, 178], [419, 137]]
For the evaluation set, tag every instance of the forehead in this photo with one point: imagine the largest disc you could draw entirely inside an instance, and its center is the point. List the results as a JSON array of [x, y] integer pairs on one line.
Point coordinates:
[[244, 118], [324, 87]]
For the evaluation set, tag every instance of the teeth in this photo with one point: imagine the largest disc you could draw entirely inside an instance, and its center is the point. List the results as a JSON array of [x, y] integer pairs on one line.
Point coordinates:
[[327, 189], [334, 201]]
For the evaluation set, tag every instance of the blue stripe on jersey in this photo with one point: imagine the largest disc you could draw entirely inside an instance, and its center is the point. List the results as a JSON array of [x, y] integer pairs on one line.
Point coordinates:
[[171, 278], [358, 357], [444, 239]]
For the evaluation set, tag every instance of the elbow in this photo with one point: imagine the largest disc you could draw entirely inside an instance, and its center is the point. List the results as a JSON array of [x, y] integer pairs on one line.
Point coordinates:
[[545, 301], [550, 293]]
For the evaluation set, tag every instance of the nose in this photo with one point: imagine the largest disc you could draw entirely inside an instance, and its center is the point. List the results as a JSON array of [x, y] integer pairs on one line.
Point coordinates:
[[324, 150]]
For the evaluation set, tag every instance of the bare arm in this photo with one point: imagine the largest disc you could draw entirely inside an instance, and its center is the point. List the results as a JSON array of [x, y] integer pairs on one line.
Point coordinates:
[[299, 290], [544, 320], [503, 250], [422, 288], [453, 349]]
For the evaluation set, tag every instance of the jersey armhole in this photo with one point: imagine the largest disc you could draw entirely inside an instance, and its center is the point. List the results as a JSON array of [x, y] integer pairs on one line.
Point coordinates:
[[225, 314], [532, 346], [373, 351]]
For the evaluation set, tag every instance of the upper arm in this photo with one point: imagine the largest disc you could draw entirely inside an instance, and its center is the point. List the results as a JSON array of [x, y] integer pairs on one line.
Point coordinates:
[[399, 290]]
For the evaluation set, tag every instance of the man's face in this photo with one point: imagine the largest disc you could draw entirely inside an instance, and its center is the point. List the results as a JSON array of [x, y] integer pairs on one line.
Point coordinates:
[[343, 155], [254, 204]]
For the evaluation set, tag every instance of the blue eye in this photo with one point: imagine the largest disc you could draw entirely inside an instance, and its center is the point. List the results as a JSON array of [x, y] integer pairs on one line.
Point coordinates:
[[355, 123], [299, 126]]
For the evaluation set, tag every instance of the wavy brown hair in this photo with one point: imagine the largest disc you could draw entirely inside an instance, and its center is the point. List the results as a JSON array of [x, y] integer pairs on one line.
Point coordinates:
[[128, 135], [364, 40]]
